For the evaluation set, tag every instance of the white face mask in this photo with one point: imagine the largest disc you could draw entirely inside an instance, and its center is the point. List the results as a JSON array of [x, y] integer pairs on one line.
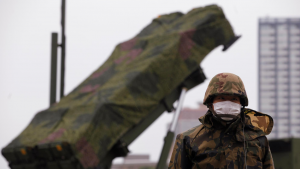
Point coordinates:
[[227, 107]]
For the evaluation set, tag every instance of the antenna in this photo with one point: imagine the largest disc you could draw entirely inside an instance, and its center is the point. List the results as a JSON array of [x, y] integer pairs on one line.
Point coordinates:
[[63, 49], [54, 46]]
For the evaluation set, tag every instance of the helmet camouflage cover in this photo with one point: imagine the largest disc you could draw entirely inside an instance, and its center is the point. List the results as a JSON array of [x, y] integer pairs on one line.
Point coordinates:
[[228, 84]]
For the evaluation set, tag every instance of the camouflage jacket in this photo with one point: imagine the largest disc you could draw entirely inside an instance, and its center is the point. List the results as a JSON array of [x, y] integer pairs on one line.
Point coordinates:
[[216, 145]]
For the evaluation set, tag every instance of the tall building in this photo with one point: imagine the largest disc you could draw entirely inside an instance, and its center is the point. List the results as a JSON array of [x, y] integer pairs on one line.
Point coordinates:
[[279, 74]]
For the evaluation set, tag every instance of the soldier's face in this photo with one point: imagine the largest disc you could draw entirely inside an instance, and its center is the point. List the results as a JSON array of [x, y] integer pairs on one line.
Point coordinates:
[[221, 98]]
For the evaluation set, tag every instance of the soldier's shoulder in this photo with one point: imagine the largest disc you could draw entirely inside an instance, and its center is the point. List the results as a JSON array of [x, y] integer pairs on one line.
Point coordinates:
[[260, 121], [251, 111]]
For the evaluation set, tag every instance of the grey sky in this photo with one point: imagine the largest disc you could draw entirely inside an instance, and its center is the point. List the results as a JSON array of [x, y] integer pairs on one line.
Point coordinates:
[[93, 29]]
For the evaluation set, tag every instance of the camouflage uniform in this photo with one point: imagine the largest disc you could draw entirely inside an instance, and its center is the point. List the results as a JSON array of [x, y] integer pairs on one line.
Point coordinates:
[[218, 145]]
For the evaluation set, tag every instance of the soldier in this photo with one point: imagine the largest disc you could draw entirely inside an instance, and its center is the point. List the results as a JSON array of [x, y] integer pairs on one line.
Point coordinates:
[[230, 136]]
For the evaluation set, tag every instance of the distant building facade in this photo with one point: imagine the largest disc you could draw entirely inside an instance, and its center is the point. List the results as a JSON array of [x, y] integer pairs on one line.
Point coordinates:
[[279, 74], [135, 161], [189, 118]]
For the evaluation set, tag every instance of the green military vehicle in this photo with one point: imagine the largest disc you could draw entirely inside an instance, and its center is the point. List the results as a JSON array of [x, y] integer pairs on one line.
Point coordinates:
[[141, 79], [286, 153]]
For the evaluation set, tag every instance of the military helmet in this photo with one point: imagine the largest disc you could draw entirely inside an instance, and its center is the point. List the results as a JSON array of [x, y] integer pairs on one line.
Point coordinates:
[[228, 84]]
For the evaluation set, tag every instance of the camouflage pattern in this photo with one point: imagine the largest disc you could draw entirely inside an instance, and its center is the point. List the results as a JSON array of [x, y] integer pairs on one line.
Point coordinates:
[[217, 145], [129, 85], [225, 83]]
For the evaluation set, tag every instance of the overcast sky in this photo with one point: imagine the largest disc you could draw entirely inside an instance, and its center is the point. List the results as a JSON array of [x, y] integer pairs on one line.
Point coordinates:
[[93, 29]]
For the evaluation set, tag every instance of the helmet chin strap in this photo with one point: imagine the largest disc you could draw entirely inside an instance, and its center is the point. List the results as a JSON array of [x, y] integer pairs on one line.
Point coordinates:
[[243, 115], [243, 119]]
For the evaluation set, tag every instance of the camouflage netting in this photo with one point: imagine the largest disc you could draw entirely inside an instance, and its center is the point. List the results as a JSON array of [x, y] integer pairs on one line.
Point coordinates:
[[130, 84]]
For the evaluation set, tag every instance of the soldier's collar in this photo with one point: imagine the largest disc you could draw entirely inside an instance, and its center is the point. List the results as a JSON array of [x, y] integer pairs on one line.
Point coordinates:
[[209, 121]]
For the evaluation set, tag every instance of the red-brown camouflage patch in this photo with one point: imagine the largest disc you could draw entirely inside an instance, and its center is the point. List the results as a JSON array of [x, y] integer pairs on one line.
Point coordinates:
[[219, 86], [51, 137], [133, 54], [130, 56], [88, 156], [128, 44], [89, 88], [222, 75], [186, 43], [98, 74]]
